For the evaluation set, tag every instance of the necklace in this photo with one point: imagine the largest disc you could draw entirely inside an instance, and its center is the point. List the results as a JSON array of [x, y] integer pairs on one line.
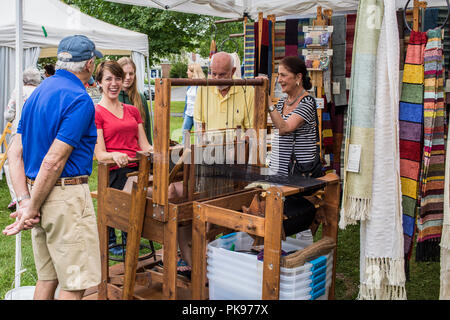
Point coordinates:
[[293, 101]]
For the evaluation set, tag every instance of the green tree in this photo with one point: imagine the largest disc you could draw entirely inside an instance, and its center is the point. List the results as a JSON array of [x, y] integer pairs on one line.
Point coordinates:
[[169, 32]]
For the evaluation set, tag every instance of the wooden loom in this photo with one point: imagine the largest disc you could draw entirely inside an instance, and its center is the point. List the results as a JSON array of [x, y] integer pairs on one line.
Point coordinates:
[[156, 218]]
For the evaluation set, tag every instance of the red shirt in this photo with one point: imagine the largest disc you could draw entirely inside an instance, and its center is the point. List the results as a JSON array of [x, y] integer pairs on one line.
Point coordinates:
[[120, 135]]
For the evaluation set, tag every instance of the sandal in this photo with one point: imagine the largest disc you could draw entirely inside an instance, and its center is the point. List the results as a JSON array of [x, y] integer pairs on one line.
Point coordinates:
[[184, 269]]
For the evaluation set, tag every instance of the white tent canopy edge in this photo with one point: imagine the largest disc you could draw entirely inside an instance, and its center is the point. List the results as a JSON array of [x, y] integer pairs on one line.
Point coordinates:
[[237, 8]]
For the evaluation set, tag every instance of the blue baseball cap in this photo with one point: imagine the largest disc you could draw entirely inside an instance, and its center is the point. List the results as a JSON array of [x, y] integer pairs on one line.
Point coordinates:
[[77, 48]]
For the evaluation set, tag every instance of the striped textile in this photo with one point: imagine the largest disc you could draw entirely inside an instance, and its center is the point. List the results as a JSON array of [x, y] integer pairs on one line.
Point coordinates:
[[411, 134], [349, 38], [357, 187], [291, 37], [429, 223], [249, 54], [280, 32], [327, 136]]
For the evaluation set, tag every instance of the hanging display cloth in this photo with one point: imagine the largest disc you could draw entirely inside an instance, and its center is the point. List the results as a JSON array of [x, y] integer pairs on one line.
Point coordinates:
[[357, 186], [411, 134], [429, 223], [382, 263]]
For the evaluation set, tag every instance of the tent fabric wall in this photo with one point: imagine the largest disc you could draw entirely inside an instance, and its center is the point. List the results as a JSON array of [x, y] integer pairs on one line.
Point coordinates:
[[7, 72], [45, 23]]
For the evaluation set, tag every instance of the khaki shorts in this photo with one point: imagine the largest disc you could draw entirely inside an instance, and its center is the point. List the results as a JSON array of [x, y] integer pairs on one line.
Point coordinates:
[[66, 242]]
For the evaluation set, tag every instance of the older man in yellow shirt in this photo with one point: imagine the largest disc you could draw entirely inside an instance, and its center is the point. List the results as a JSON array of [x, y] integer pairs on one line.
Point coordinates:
[[224, 107]]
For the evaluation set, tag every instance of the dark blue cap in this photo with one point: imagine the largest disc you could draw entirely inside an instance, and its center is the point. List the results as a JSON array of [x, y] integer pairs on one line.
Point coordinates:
[[77, 48]]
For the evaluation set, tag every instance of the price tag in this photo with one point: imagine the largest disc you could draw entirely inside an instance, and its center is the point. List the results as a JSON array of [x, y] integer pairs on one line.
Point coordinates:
[[347, 83], [354, 157], [336, 88], [320, 103]]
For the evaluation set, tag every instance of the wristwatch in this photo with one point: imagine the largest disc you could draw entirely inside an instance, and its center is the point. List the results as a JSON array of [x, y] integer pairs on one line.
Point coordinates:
[[271, 108]]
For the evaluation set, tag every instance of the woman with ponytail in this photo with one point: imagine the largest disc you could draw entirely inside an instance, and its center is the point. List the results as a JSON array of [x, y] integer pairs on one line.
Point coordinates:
[[131, 95]]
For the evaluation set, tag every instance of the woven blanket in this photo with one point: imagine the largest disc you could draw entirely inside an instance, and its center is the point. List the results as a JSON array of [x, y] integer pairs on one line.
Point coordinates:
[[382, 264], [291, 37], [249, 48], [263, 63], [429, 223], [279, 51], [411, 134], [357, 187], [349, 39]]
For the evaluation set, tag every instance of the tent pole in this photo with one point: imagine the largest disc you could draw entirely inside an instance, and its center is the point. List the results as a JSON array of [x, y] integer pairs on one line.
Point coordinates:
[[150, 94], [19, 103]]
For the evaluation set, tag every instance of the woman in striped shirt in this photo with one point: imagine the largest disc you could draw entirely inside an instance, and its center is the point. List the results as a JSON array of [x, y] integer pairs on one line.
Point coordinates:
[[294, 143]]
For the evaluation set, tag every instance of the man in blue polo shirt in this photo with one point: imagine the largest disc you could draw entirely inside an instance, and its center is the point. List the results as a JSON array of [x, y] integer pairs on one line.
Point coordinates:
[[51, 159]]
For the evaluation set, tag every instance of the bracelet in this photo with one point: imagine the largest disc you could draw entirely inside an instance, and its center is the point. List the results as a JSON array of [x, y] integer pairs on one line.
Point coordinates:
[[272, 108], [26, 196]]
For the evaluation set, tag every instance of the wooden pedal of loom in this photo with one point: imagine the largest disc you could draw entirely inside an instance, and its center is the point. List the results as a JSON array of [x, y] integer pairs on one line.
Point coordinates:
[[234, 213]]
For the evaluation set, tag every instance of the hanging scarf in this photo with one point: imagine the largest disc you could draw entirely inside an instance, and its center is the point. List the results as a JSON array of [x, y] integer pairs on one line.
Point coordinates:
[[249, 55], [429, 223], [291, 36], [382, 264], [357, 187], [411, 134], [280, 31]]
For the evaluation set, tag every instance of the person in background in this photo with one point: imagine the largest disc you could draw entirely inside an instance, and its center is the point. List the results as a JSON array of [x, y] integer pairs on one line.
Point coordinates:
[[120, 133], [49, 70], [51, 160], [194, 71], [131, 95], [31, 79]]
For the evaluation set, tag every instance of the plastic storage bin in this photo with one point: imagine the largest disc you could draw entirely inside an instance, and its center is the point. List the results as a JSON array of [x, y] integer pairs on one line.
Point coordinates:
[[237, 275]]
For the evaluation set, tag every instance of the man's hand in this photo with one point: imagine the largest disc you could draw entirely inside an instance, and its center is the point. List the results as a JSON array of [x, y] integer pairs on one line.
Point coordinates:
[[25, 219]]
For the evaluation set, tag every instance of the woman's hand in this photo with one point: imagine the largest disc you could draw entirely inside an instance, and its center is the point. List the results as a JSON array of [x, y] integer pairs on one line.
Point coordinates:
[[121, 159]]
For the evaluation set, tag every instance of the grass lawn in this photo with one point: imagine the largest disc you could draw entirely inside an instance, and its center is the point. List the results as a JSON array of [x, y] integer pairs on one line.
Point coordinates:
[[424, 276]]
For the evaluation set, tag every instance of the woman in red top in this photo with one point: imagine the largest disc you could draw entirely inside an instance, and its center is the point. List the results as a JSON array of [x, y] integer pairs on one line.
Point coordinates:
[[120, 132]]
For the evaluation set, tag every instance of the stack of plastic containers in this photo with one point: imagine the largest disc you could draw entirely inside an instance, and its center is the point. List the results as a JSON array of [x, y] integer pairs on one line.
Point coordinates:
[[235, 273]]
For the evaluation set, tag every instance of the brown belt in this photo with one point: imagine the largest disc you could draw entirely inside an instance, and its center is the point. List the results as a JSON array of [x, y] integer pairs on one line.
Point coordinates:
[[66, 181]]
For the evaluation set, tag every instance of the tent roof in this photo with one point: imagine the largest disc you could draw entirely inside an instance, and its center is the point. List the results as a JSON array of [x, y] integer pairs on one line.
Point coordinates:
[[60, 20], [236, 8]]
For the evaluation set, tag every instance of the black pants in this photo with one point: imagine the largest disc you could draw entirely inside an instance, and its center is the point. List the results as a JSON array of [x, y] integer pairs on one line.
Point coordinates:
[[117, 180]]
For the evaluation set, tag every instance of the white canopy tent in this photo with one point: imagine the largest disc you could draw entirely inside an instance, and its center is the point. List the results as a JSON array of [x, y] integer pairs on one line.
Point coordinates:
[[44, 24], [35, 29], [237, 8]]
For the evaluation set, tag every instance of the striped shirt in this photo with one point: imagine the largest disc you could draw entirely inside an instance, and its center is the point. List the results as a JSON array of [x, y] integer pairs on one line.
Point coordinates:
[[305, 138]]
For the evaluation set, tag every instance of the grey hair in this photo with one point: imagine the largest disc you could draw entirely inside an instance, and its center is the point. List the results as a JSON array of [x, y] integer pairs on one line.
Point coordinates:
[[75, 67], [31, 76], [227, 54]]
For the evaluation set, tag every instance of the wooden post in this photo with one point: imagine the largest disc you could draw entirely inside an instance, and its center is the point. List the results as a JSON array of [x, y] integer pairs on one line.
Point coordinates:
[[272, 18], [272, 244], [170, 254], [416, 13], [317, 76], [260, 117], [103, 183], [198, 253], [260, 30], [330, 227], [161, 149], [135, 225]]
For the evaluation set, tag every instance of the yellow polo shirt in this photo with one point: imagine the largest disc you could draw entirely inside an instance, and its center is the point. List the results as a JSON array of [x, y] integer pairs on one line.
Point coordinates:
[[219, 112]]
